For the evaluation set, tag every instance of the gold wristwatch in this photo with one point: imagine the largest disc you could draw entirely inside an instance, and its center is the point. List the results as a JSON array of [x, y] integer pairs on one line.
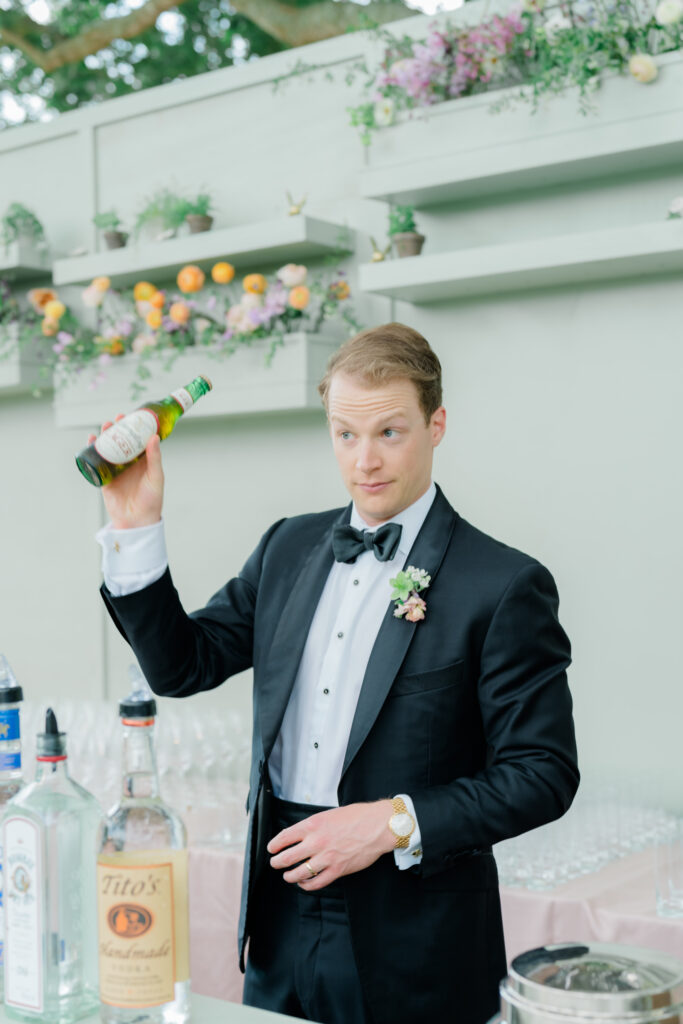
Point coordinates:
[[401, 823]]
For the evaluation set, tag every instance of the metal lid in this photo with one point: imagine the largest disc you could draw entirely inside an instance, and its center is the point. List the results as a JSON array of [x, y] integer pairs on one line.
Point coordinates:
[[592, 982]]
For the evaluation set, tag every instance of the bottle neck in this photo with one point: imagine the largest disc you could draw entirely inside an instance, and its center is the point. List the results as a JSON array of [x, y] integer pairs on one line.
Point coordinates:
[[140, 778], [51, 768]]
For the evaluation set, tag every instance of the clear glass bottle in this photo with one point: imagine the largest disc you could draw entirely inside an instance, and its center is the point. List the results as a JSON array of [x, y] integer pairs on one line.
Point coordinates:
[[142, 885], [49, 835], [11, 776], [124, 442]]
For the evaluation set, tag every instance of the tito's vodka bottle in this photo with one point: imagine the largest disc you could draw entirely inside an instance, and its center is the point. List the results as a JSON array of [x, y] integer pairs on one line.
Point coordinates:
[[11, 779], [142, 886], [122, 444], [49, 840]]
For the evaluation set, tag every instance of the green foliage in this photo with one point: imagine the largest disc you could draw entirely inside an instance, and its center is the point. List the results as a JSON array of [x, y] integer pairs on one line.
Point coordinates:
[[401, 218], [202, 206], [164, 209], [19, 220], [107, 221], [209, 36]]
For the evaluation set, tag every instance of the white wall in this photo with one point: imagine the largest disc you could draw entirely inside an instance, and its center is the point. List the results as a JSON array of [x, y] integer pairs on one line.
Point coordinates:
[[564, 405]]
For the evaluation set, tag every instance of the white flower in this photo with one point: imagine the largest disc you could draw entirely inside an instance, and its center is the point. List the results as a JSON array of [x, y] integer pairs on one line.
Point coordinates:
[[234, 315], [492, 64], [92, 297], [292, 275], [201, 323], [250, 300], [143, 307], [384, 112], [643, 68], [143, 341], [557, 22], [676, 207], [669, 12]]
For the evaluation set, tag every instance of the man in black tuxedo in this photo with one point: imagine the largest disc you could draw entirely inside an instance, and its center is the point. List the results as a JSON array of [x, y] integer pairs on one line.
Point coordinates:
[[400, 729]]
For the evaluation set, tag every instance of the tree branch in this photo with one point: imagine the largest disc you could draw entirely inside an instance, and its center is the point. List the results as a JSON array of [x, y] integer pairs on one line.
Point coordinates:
[[13, 32], [293, 26], [297, 26]]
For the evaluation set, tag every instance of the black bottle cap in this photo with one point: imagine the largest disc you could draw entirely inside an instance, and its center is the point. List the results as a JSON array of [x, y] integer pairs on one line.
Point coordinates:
[[140, 702], [52, 742], [10, 691]]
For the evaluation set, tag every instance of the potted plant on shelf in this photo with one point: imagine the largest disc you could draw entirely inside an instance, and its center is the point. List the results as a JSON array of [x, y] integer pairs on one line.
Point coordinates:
[[162, 216], [197, 213], [406, 239], [110, 225], [19, 222]]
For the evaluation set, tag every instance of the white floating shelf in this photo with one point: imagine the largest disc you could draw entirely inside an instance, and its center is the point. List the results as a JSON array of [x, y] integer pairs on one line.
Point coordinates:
[[456, 150], [641, 249], [287, 239], [20, 366], [242, 383], [22, 261]]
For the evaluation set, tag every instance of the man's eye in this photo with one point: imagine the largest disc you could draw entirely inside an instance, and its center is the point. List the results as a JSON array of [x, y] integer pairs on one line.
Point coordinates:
[[389, 432], [345, 435]]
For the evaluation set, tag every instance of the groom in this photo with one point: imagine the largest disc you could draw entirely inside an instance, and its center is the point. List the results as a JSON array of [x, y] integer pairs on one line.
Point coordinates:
[[398, 731]]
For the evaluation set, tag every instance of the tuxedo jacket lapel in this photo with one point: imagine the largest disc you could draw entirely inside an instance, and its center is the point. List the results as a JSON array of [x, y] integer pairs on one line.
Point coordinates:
[[291, 633], [395, 635]]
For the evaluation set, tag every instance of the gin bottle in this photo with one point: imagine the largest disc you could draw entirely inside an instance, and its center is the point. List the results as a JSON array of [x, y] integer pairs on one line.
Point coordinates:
[[122, 444], [142, 885], [49, 835], [11, 780]]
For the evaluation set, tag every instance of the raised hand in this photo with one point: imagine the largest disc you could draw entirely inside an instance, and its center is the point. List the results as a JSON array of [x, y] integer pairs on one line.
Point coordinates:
[[135, 498]]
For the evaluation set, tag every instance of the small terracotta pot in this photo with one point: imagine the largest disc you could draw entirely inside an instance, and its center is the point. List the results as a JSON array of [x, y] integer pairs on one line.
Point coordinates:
[[407, 243], [198, 222], [115, 239]]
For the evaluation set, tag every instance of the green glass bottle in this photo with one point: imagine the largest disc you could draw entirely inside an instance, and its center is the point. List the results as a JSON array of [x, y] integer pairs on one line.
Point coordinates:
[[122, 444]]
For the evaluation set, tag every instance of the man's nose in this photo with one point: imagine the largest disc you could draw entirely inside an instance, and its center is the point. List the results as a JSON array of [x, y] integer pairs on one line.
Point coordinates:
[[368, 457]]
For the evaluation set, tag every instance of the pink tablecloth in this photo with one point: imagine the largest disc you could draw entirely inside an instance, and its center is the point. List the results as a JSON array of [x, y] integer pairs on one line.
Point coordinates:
[[616, 904]]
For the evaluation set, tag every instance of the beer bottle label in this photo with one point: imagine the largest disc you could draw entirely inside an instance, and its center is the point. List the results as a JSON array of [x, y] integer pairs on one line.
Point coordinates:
[[125, 440]]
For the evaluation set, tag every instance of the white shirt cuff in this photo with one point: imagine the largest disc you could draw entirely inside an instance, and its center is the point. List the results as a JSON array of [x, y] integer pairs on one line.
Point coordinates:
[[411, 854], [132, 559]]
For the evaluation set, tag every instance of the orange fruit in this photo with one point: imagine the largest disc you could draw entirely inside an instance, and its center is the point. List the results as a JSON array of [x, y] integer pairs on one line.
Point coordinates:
[[255, 283], [157, 300], [153, 319], [299, 296], [101, 284], [143, 291], [222, 273], [179, 312], [190, 278]]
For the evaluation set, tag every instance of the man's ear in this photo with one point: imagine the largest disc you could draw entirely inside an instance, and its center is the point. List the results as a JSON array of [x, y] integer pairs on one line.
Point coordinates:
[[437, 425]]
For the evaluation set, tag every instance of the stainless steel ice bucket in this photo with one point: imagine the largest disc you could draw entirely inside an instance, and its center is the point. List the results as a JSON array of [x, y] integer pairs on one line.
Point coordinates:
[[592, 983]]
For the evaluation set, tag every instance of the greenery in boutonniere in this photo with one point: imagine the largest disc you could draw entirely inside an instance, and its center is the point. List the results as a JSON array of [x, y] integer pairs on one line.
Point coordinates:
[[407, 585]]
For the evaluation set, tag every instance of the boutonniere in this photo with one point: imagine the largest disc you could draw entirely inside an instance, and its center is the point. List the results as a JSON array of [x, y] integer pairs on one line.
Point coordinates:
[[407, 585]]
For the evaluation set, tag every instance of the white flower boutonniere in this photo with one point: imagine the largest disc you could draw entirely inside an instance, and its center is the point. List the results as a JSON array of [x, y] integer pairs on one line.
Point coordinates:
[[407, 585]]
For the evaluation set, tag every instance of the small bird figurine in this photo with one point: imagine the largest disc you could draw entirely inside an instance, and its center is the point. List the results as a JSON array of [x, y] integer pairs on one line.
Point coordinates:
[[378, 254], [294, 208]]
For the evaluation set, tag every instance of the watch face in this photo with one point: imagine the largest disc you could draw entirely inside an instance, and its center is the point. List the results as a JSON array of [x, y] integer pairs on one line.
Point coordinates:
[[402, 824]]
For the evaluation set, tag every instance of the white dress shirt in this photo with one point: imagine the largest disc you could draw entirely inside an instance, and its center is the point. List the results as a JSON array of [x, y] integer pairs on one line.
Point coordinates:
[[306, 760]]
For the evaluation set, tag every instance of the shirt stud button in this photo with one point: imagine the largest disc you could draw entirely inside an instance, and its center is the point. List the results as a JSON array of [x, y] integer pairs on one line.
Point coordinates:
[[340, 635], [356, 582], [315, 745], [326, 691]]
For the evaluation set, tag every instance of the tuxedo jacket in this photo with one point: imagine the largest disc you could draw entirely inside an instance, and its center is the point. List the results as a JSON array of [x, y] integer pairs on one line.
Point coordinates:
[[468, 711]]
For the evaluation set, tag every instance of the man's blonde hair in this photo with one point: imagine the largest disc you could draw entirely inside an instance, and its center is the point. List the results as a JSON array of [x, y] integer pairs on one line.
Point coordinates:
[[381, 354]]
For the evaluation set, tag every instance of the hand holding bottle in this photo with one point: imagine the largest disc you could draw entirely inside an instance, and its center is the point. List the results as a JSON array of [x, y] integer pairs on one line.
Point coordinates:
[[135, 498]]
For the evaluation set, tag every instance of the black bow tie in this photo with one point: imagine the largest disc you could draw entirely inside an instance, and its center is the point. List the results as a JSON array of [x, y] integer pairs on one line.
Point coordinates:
[[348, 543]]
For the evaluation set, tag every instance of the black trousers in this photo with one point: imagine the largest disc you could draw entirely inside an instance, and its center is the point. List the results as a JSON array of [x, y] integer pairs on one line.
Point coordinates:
[[301, 960]]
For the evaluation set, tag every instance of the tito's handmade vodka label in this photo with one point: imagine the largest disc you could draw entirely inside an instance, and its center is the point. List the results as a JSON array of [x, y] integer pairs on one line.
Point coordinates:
[[142, 956], [23, 915]]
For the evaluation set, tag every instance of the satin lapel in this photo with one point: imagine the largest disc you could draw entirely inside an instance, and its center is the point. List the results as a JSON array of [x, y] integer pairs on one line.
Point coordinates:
[[290, 635], [395, 635]]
